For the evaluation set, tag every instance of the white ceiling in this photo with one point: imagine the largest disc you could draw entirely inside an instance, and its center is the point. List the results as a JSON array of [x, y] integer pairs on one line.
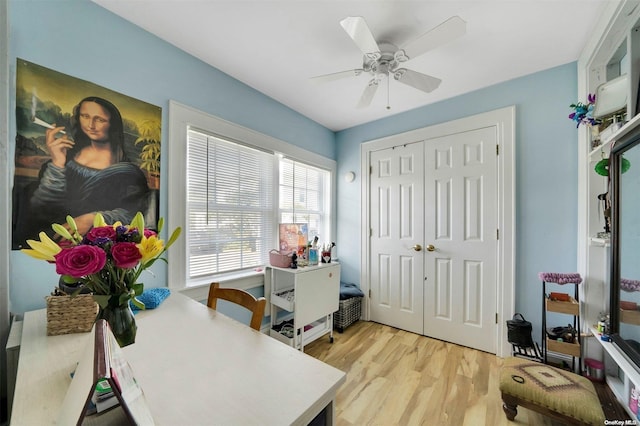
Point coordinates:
[[276, 46]]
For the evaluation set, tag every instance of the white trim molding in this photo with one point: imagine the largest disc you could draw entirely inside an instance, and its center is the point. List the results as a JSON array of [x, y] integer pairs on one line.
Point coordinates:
[[182, 117]]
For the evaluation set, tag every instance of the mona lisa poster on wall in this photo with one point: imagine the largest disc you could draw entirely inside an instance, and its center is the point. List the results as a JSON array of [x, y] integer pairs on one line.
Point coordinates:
[[81, 149]]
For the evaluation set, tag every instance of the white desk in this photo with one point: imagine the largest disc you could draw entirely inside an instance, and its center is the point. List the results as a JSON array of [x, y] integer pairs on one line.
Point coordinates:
[[195, 366]]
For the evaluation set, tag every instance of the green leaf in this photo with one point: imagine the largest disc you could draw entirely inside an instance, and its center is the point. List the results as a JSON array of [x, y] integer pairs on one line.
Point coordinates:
[[123, 298], [76, 291], [150, 262], [138, 303], [68, 279], [160, 224], [138, 288], [102, 300]]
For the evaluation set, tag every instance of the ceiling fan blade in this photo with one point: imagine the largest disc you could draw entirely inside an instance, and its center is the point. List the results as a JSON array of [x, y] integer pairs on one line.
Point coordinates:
[[336, 76], [420, 81], [359, 31], [369, 92], [450, 29]]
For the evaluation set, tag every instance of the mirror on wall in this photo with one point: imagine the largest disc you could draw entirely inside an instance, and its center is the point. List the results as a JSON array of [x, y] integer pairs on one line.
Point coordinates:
[[625, 256]]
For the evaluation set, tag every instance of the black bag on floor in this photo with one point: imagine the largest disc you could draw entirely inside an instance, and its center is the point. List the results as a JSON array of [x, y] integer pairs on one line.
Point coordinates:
[[519, 331]]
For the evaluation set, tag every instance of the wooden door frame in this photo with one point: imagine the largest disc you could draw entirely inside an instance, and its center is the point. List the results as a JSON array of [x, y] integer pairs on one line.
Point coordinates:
[[504, 121]]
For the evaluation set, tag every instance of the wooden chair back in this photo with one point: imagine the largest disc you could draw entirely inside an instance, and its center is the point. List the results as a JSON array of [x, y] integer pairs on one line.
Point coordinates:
[[239, 297]]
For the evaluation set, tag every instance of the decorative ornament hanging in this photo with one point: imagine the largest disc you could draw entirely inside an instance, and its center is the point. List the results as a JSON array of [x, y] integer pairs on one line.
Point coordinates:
[[602, 166]]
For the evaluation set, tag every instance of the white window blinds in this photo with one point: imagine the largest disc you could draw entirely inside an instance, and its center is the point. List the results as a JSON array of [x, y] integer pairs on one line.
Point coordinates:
[[304, 196], [230, 205]]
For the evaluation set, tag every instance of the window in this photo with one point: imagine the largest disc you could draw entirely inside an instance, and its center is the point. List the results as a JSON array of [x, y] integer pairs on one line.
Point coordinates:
[[229, 205], [304, 197], [229, 187]]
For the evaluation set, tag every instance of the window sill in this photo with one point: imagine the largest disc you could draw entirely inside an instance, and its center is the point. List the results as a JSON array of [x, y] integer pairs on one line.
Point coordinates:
[[241, 279]]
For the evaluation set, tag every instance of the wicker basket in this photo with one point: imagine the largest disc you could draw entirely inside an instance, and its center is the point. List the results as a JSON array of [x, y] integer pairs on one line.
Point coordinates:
[[67, 314], [278, 259], [349, 311]]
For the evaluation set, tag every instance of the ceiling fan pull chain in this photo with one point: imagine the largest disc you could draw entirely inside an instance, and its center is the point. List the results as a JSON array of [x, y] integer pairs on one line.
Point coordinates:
[[388, 84]]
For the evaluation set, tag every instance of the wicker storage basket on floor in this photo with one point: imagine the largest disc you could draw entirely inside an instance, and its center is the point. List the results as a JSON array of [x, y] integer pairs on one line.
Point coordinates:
[[66, 314], [349, 311]]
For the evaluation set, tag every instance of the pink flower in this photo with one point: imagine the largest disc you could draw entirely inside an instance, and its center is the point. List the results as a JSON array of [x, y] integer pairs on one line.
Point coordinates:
[[149, 233], [125, 255], [101, 234], [80, 260]]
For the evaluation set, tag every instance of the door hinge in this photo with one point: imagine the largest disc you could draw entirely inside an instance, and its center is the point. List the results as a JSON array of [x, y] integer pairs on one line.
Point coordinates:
[[496, 317], [369, 293], [497, 149], [370, 170], [497, 234], [371, 232]]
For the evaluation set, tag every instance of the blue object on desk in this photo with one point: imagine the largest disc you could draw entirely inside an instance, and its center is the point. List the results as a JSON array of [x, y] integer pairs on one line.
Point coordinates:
[[151, 298]]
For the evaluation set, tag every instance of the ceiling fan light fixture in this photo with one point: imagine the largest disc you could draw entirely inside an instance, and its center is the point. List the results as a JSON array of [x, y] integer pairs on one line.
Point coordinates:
[[373, 56], [397, 74], [400, 56], [382, 59]]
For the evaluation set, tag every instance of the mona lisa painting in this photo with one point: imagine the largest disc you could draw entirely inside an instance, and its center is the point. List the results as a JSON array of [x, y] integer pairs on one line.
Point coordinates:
[[81, 149]]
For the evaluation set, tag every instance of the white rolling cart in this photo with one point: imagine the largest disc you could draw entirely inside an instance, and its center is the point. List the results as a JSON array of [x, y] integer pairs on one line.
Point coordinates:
[[311, 295]]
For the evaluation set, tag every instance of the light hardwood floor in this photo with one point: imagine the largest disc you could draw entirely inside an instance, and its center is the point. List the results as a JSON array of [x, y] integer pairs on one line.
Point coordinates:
[[399, 378]]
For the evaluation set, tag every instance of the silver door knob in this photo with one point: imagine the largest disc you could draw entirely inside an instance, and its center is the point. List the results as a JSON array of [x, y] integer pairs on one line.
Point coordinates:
[[417, 247], [431, 247]]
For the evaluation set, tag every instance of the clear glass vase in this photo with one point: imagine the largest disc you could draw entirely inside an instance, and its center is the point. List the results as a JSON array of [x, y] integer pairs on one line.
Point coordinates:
[[121, 321]]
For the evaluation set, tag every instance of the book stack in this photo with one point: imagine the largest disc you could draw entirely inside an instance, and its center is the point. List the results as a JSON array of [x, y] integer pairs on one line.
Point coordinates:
[[103, 398]]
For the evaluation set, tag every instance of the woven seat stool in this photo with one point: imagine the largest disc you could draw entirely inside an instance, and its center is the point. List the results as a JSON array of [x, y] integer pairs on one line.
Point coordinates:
[[559, 394]]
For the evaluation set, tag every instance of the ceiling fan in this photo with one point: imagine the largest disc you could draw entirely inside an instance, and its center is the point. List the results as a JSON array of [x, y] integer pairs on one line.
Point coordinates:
[[384, 59]]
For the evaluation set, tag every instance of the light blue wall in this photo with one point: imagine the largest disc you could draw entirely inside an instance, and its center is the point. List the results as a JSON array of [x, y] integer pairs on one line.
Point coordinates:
[[81, 39], [546, 174]]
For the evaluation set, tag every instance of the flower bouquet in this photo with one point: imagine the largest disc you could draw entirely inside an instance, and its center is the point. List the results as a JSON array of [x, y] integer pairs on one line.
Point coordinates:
[[108, 261], [583, 113]]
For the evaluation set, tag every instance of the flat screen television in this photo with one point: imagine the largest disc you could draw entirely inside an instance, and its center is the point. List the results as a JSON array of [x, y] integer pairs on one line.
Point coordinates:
[[624, 192]]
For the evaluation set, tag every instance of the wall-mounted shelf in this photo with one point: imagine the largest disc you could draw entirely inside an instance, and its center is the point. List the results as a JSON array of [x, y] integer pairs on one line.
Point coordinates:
[[601, 151]]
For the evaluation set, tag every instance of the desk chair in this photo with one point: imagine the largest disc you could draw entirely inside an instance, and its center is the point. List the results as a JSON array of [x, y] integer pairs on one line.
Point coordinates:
[[240, 297]]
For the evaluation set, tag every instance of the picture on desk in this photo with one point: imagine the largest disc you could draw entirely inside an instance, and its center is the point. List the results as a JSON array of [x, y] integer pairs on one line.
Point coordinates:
[[293, 237]]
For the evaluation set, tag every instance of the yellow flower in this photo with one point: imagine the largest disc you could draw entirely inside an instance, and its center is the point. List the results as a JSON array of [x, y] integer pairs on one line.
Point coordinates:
[[150, 248], [45, 249]]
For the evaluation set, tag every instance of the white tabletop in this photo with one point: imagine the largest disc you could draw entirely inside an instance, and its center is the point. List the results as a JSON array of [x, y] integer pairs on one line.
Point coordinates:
[[195, 366]]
